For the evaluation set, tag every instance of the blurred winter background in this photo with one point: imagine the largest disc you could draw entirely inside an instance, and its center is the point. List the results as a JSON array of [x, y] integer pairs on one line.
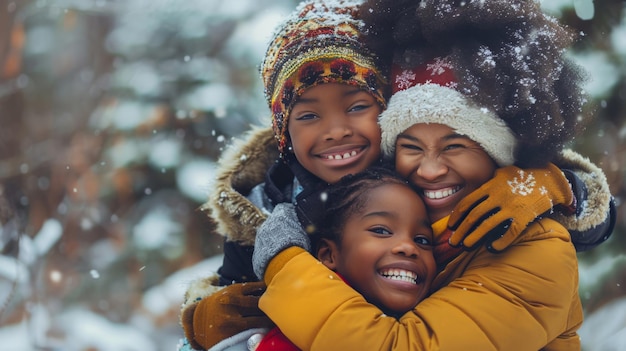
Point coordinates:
[[112, 116]]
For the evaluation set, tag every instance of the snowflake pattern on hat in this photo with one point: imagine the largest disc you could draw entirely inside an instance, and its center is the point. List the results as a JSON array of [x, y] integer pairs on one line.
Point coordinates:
[[437, 71], [405, 79], [438, 66]]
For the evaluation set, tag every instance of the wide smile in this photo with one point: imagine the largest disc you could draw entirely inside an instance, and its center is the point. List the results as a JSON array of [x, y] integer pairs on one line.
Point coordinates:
[[400, 275], [340, 155], [441, 193]]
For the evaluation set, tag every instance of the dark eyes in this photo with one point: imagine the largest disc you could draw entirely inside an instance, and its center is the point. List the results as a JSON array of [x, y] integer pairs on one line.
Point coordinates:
[[421, 240], [445, 148], [306, 117], [380, 231], [454, 146], [359, 107], [410, 147]]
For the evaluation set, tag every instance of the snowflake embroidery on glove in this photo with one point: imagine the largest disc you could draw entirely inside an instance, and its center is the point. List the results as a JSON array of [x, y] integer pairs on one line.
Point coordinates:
[[405, 79], [524, 185]]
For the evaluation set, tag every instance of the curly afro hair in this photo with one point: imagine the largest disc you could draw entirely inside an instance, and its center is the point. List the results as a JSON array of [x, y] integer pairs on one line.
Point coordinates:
[[507, 55]]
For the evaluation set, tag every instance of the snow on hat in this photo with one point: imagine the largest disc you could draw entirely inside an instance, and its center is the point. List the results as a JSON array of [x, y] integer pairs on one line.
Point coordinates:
[[427, 94], [320, 43]]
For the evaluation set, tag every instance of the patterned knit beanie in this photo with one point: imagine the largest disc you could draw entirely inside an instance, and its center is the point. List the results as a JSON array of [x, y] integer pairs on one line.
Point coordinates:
[[320, 43], [427, 94]]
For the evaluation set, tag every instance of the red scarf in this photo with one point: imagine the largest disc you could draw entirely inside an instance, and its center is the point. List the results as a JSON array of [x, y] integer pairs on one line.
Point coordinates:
[[277, 341], [442, 250]]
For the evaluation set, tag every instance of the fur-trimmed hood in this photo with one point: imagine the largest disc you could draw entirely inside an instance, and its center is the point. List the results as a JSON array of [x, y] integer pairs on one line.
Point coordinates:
[[243, 165], [599, 195]]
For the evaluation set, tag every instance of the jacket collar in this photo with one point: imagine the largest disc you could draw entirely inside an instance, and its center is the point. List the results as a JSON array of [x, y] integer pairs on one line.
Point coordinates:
[[242, 166]]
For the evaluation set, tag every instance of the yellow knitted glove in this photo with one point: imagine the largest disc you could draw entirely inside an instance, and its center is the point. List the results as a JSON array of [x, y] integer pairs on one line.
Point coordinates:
[[225, 313], [498, 211]]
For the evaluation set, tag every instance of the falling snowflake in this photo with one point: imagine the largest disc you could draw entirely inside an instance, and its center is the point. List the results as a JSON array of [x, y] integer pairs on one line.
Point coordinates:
[[405, 79], [524, 185], [487, 57], [439, 66]]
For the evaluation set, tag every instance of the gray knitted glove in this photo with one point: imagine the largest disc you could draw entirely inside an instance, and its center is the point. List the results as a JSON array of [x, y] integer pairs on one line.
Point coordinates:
[[280, 230]]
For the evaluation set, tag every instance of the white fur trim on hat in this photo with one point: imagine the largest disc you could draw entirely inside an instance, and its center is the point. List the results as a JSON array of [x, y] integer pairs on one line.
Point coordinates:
[[433, 103]]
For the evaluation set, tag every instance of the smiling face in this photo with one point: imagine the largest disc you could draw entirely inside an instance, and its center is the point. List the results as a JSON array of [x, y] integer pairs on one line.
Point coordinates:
[[334, 130], [385, 249], [444, 165]]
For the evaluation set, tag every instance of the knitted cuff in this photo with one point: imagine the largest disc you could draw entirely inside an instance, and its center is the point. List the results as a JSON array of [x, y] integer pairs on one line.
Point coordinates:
[[281, 230]]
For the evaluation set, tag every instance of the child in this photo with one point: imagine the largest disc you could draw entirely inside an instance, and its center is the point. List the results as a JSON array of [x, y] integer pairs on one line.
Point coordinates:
[[449, 145], [316, 60], [325, 91], [377, 238]]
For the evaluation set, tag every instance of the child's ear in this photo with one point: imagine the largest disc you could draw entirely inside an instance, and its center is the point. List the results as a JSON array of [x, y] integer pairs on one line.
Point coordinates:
[[326, 253]]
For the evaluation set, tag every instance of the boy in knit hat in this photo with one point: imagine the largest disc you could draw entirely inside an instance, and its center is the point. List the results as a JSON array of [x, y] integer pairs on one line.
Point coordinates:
[[449, 143], [325, 90], [318, 49]]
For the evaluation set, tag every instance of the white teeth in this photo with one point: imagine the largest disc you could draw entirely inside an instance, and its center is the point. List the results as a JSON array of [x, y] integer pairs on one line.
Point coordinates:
[[400, 274], [440, 193], [342, 157]]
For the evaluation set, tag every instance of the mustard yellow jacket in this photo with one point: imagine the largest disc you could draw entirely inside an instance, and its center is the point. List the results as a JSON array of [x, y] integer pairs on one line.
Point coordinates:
[[525, 298]]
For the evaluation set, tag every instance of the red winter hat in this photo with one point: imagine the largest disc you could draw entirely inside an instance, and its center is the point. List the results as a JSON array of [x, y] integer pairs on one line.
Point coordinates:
[[427, 94]]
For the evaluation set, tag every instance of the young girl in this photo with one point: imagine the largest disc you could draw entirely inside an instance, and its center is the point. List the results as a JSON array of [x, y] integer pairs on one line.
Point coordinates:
[[325, 90], [450, 143], [377, 238]]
